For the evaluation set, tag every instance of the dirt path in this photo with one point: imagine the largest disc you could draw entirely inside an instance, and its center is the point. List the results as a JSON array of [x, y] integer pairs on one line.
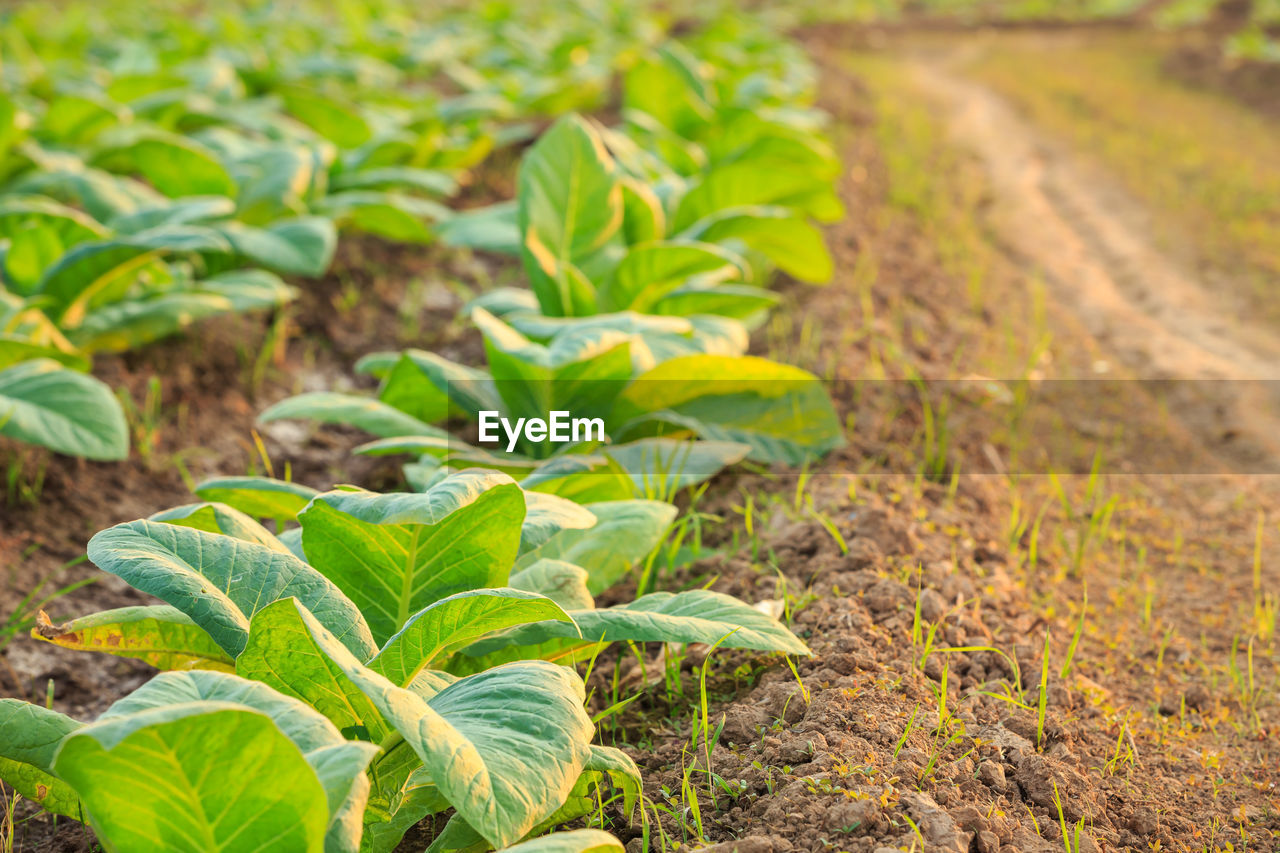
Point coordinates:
[[1094, 246]]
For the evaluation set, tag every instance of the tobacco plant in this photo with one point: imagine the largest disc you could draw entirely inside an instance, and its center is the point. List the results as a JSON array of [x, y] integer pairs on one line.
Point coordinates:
[[395, 654]]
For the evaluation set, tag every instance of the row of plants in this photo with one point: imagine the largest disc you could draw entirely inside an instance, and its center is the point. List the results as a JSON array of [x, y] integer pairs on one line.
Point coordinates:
[[153, 177], [649, 248], [380, 659]]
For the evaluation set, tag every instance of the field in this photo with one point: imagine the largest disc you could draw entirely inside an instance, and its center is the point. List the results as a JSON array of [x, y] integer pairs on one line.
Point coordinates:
[[933, 505]]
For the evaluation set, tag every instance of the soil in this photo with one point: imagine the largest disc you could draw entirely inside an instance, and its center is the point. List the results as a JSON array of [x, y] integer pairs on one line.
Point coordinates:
[[1153, 737]]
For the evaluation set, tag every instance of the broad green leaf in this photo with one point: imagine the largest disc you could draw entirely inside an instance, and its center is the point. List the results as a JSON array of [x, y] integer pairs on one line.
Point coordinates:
[[440, 629], [670, 87], [44, 403], [791, 243], [583, 479], [607, 769], [31, 738], [372, 416], [564, 583], [503, 747], [283, 654], [745, 184], [651, 271], [397, 177], [782, 412], [221, 582], [336, 121], [428, 386], [580, 372], [693, 616], [570, 215], [740, 301], [547, 515], [493, 228], [643, 217], [160, 635], [220, 518], [338, 764], [175, 165], [409, 386], [396, 553], [260, 497], [101, 194], [99, 272], [187, 211], [39, 231], [624, 534], [195, 777], [75, 119], [302, 246], [660, 468], [125, 325], [392, 216]]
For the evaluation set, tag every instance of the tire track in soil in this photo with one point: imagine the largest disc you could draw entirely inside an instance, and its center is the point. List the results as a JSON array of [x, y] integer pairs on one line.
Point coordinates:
[[1095, 248]]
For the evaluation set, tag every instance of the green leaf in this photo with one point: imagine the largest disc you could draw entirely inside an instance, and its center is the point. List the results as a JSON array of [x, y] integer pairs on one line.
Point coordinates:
[[564, 583], [337, 763], [581, 371], [670, 87], [39, 231], [220, 518], [440, 629], [783, 413], [100, 272], [547, 515], [185, 211], [650, 271], [396, 553], [570, 216], [795, 246], [75, 119], [625, 532], [739, 301], [660, 468], [221, 582], [339, 122], [195, 777], [504, 747], [125, 325], [515, 742], [44, 403], [160, 635], [745, 184], [302, 246], [606, 769], [175, 165], [101, 194], [493, 228], [430, 181], [411, 388], [694, 616], [260, 497], [283, 653], [643, 217], [389, 215], [32, 737], [331, 407]]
